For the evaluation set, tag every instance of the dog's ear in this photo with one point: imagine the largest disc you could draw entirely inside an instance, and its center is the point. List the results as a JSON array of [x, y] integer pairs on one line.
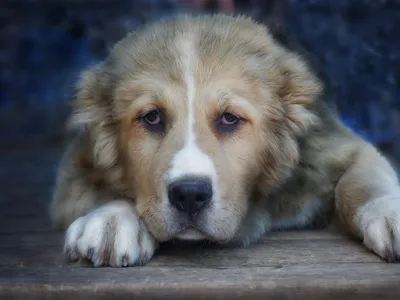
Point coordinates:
[[93, 113], [295, 111], [299, 91], [89, 109]]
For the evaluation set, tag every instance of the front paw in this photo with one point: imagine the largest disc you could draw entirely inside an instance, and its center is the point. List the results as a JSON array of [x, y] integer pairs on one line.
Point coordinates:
[[112, 236], [379, 222]]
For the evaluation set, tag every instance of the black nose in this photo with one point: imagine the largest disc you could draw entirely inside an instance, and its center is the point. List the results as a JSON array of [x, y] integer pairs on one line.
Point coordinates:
[[190, 195]]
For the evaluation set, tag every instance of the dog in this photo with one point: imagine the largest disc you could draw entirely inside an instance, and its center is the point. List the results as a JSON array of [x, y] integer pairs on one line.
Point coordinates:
[[212, 128]]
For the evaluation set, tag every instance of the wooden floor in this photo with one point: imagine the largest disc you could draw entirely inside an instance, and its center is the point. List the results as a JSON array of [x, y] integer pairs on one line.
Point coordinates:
[[299, 265]]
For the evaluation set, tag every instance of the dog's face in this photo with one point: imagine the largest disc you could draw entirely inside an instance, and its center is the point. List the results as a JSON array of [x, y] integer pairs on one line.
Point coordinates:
[[193, 112]]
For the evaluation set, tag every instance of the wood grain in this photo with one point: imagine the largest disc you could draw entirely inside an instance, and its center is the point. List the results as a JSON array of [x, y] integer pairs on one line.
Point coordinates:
[[321, 264], [288, 282], [39, 250]]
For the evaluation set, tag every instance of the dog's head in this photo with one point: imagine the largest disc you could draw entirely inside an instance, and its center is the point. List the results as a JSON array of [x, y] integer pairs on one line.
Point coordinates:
[[193, 116]]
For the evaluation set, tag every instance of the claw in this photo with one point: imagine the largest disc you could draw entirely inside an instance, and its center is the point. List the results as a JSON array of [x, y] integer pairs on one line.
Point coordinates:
[[72, 255]]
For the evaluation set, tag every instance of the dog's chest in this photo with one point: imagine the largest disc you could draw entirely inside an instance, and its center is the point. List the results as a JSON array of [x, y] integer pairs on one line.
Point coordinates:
[[303, 202], [315, 213]]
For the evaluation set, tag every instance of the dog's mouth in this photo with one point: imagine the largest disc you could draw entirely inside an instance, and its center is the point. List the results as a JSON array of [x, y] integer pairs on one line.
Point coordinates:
[[191, 233], [190, 228]]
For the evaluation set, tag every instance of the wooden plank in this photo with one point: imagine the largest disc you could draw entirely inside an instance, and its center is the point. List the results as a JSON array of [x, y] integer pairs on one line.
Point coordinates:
[[304, 235], [15, 225], [18, 179], [32, 199], [14, 209], [46, 249], [326, 281]]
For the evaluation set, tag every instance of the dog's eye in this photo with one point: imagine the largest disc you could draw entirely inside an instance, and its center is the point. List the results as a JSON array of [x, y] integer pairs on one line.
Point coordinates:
[[228, 123], [153, 117], [229, 119], [153, 121]]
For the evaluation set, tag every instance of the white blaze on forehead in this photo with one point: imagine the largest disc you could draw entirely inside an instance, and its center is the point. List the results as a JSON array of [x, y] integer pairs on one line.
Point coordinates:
[[190, 160]]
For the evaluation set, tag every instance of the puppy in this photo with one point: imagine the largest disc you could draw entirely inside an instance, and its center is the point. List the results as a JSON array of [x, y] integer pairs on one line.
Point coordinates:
[[209, 127]]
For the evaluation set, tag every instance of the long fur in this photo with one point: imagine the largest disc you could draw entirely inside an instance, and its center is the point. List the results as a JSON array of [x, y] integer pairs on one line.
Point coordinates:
[[292, 164]]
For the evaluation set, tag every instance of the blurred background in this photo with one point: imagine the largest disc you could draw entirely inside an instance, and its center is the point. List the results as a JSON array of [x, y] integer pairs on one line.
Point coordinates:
[[45, 44]]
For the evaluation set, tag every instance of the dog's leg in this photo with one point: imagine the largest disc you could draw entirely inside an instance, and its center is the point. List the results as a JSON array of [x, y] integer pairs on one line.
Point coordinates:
[[104, 231], [78, 186], [368, 202], [112, 235], [256, 224]]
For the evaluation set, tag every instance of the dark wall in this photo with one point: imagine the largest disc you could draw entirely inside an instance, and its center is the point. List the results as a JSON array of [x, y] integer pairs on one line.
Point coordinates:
[[44, 45]]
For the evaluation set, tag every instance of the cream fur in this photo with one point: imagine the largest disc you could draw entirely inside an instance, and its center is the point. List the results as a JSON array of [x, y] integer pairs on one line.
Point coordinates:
[[290, 163]]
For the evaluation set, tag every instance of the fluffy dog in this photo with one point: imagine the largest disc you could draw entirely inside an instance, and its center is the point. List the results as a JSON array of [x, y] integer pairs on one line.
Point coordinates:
[[210, 127]]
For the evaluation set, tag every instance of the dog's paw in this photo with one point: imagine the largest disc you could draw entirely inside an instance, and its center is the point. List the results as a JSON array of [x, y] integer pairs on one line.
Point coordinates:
[[112, 236], [379, 222]]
